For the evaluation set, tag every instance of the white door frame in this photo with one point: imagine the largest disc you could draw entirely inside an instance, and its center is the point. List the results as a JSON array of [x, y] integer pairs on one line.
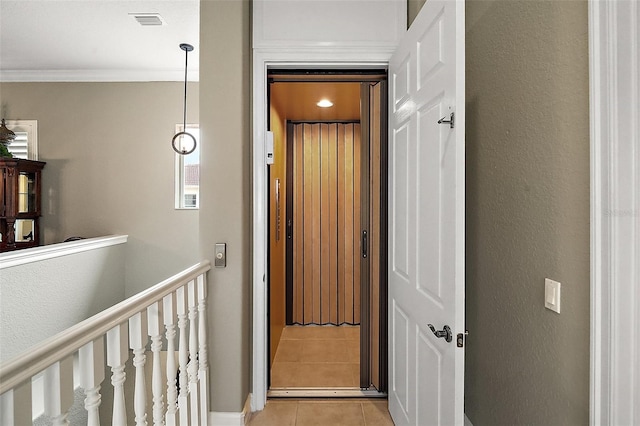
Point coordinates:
[[263, 59], [615, 215], [612, 289]]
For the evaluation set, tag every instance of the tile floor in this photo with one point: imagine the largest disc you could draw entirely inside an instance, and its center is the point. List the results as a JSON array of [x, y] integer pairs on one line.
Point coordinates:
[[317, 357], [325, 412]]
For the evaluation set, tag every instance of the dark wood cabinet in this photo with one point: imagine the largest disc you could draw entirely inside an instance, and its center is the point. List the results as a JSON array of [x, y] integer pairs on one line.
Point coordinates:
[[21, 203]]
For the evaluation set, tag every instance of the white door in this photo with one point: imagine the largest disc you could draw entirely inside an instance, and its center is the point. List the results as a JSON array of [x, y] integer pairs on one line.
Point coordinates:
[[426, 218]]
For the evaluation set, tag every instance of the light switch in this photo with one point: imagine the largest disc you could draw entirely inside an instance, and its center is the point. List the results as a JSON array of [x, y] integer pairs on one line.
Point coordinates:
[[552, 295]]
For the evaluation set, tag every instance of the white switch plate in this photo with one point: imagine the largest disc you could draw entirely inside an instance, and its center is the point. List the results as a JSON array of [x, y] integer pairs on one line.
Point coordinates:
[[552, 295]]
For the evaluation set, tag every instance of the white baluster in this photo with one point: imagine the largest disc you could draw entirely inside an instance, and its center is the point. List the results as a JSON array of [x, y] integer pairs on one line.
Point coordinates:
[[117, 355], [154, 315], [58, 391], [91, 362], [15, 406], [203, 372], [138, 342], [183, 356], [193, 353], [169, 311]]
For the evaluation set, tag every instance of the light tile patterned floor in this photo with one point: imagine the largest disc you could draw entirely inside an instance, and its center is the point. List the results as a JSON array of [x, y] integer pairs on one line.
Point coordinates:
[[317, 356], [327, 412]]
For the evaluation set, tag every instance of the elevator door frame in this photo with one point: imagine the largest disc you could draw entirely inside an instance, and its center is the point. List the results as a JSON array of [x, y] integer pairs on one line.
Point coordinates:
[[263, 61], [376, 74]]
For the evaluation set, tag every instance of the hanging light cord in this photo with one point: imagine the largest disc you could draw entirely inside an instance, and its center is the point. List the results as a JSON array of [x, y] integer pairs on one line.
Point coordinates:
[[184, 116]]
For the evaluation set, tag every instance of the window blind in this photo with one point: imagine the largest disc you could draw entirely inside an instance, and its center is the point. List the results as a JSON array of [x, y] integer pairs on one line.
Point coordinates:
[[19, 147]]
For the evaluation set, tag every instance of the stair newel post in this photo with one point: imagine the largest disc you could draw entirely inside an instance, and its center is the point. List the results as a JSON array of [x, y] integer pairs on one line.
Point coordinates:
[[169, 313], [203, 372], [183, 356], [16, 405], [91, 363], [117, 356], [58, 391], [193, 352], [138, 343], [155, 320]]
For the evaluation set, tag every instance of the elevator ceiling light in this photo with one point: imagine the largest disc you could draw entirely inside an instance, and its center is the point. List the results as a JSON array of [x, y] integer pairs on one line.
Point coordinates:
[[325, 103]]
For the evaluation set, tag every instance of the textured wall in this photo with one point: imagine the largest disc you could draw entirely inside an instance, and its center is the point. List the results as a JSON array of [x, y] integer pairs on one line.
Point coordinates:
[[527, 212], [110, 168], [41, 299], [225, 190]]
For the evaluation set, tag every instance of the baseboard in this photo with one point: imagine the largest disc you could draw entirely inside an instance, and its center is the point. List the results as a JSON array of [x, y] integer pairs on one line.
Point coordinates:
[[218, 418]]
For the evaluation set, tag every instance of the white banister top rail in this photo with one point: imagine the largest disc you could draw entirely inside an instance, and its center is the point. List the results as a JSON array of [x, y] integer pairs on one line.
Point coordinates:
[[24, 366]]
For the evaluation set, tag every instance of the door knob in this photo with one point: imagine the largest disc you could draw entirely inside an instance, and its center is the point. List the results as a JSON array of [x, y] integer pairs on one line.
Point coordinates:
[[445, 332]]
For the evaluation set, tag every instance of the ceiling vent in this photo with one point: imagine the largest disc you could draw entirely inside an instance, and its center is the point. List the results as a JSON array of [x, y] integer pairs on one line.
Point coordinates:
[[148, 19]]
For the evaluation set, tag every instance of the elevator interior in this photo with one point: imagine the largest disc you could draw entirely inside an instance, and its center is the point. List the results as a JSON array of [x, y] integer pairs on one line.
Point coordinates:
[[327, 233]]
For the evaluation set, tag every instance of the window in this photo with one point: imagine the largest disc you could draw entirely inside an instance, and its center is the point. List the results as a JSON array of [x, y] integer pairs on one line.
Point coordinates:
[[25, 145], [190, 200], [187, 185]]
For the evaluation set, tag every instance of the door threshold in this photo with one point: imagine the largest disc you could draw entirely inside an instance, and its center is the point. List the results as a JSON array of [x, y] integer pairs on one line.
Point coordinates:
[[323, 393]]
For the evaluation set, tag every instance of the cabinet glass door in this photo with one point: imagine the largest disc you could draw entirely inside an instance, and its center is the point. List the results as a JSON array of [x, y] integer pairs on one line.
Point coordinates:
[[26, 192], [25, 229]]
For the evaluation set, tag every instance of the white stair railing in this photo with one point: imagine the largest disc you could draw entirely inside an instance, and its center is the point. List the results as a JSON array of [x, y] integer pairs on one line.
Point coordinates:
[[179, 392]]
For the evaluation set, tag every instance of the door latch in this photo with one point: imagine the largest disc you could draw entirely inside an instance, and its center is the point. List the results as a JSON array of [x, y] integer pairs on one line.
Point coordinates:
[[460, 338], [445, 332], [289, 229]]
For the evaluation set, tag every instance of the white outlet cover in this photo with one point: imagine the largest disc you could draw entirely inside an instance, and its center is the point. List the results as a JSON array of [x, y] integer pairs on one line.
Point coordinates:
[[552, 295]]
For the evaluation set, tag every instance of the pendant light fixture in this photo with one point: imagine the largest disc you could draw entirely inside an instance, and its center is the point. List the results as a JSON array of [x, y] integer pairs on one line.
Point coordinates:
[[180, 141]]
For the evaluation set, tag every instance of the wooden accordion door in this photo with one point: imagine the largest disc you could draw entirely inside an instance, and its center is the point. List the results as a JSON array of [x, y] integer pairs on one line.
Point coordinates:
[[323, 223]]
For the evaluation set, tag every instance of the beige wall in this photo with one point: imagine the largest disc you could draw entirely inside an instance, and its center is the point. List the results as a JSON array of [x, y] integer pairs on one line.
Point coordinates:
[[527, 212], [110, 168], [225, 206], [413, 8]]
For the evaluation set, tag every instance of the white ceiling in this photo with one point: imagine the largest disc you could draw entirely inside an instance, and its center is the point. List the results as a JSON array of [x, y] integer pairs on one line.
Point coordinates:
[[96, 40]]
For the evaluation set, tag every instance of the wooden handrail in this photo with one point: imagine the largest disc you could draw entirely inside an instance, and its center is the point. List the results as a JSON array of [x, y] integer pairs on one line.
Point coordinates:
[[24, 366]]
